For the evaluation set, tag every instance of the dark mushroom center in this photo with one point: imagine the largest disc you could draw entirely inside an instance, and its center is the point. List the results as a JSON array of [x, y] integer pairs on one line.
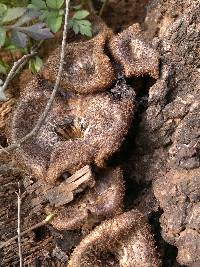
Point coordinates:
[[70, 129], [108, 259]]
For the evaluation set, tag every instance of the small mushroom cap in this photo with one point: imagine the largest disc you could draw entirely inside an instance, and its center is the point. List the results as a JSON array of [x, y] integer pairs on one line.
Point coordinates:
[[134, 54], [106, 121], [103, 201], [123, 241], [87, 69]]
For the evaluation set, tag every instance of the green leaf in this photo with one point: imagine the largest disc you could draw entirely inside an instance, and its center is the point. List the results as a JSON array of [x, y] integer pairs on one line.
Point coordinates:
[[73, 24], [55, 4], [38, 31], [80, 14], [54, 22], [85, 22], [32, 7], [10, 47], [77, 7], [3, 67], [35, 64], [61, 12], [76, 27], [70, 23], [38, 63], [13, 13], [19, 39], [85, 30], [40, 4], [44, 15], [2, 36], [29, 15], [3, 9]]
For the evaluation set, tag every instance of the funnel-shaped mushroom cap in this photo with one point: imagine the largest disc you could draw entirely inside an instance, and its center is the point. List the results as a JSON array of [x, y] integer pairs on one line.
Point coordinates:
[[87, 68], [78, 131], [136, 57], [106, 121], [34, 154], [125, 241], [103, 201]]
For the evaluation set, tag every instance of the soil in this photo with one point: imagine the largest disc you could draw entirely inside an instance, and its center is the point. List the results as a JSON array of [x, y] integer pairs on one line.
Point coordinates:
[[161, 149]]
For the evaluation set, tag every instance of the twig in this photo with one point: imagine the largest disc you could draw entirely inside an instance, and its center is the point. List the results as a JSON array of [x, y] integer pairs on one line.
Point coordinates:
[[18, 65], [105, 2], [19, 225], [91, 7], [55, 89], [2, 148], [15, 69], [44, 222]]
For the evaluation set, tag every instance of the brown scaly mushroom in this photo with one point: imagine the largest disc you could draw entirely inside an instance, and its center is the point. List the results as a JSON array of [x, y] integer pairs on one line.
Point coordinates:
[[105, 121], [178, 194], [103, 201], [35, 152], [134, 54], [124, 241], [78, 131], [87, 68]]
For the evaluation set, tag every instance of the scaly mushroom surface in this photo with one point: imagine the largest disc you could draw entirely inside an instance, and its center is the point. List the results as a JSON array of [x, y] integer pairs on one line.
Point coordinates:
[[87, 68], [135, 55], [78, 131], [103, 201], [125, 241]]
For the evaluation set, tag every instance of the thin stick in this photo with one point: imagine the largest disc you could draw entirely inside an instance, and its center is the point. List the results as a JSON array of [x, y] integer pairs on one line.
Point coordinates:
[[2, 148], [9, 241], [19, 225], [55, 89], [18, 65], [15, 69], [105, 2]]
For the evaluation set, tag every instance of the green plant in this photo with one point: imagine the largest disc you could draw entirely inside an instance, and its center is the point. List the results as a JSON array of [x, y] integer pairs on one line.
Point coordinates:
[[3, 67], [51, 12], [35, 64], [79, 23], [24, 22]]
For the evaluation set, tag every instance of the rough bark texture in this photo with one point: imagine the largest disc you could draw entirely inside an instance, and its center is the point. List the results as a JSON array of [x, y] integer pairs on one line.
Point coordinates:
[[162, 147], [167, 139]]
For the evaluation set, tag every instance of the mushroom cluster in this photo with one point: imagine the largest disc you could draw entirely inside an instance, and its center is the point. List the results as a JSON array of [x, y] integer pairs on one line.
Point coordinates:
[[88, 122]]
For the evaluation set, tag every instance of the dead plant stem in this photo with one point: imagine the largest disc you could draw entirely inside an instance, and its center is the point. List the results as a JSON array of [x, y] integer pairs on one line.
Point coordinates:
[[19, 225]]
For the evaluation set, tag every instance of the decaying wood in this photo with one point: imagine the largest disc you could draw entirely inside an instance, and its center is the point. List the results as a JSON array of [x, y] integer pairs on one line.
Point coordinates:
[[35, 250], [64, 193]]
